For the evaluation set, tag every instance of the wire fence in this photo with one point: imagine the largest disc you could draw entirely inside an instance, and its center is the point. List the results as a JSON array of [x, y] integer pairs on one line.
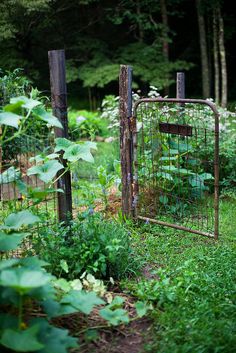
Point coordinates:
[[20, 191]]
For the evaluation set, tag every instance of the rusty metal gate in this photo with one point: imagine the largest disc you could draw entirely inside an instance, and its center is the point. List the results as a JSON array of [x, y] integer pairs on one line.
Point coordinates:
[[175, 164]]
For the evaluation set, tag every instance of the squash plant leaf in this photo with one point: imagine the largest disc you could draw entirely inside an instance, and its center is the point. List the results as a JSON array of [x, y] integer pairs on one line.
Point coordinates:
[[10, 119], [82, 301], [19, 219], [114, 317], [22, 341], [53, 338], [10, 241], [62, 144], [10, 175], [47, 171], [77, 152], [23, 280], [50, 119], [27, 103]]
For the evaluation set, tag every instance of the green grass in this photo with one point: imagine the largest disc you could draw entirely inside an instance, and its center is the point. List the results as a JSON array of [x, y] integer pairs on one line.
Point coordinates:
[[194, 286]]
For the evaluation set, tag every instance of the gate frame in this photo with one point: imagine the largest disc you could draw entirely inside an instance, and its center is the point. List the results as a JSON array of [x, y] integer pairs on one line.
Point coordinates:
[[128, 148]]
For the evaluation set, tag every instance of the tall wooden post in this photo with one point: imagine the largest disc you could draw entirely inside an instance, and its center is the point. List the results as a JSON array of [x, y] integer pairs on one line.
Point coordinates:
[[125, 111], [180, 85], [59, 105]]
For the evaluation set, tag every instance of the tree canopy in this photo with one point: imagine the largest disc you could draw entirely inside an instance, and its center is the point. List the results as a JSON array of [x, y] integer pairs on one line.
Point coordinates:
[[157, 38]]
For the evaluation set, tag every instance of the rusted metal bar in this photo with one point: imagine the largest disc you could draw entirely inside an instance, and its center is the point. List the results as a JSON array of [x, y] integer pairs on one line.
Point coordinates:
[[125, 111], [176, 226], [175, 100], [59, 105], [216, 175]]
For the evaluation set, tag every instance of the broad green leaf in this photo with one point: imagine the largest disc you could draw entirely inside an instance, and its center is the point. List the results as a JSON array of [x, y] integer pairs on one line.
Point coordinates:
[[14, 107], [82, 301], [114, 317], [23, 279], [22, 341], [22, 218], [90, 144], [47, 171], [47, 117], [62, 144], [40, 194], [10, 119], [28, 103], [77, 152], [117, 302], [8, 321], [10, 175], [10, 241], [141, 308], [55, 340], [62, 284], [8, 263], [33, 262]]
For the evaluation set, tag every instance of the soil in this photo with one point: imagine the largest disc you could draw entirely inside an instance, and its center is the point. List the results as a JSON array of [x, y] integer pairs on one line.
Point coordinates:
[[129, 338]]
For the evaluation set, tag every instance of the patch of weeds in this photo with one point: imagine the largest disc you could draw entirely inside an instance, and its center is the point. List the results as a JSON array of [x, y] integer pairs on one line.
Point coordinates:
[[92, 244]]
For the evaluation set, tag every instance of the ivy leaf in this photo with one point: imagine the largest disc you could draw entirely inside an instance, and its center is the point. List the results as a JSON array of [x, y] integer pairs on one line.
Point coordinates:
[[23, 279], [22, 341], [62, 144], [47, 171], [10, 241], [114, 317], [82, 301], [10, 175], [10, 119], [50, 119], [17, 220]]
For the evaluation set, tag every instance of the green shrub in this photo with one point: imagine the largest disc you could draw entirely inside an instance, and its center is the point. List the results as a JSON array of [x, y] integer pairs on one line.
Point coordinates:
[[84, 124], [98, 246]]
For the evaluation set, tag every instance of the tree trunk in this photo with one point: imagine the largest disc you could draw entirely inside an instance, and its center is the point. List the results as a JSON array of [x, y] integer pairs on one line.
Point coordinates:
[[216, 58], [203, 48], [165, 43], [224, 87]]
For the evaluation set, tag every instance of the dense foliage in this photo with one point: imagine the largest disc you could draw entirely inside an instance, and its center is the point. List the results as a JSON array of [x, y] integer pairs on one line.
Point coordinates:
[[99, 35]]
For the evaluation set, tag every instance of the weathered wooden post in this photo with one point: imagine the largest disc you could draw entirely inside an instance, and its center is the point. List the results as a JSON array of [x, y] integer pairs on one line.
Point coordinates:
[[59, 105], [125, 111], [180, 85]]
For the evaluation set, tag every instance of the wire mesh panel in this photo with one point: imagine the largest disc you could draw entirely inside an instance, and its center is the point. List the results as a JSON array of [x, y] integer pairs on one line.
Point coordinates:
[[175, 164], [19, 191]]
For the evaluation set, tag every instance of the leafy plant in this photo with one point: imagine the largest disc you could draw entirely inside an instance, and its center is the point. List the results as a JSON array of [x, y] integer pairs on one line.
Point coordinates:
[[85, 124], [97, 246]]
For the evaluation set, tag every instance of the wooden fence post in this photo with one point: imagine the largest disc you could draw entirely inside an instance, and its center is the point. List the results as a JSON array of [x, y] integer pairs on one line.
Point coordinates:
[[125, 112], [180, 85], [59, 105]]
